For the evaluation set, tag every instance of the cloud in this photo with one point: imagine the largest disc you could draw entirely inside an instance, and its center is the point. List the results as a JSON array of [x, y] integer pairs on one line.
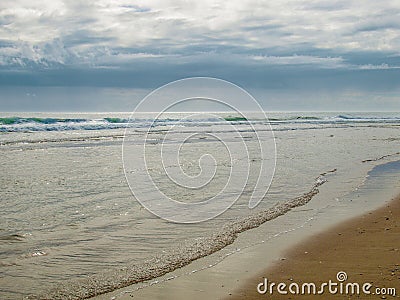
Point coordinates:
[[323, 62], [75, 32], [295, 46], [377, 67]]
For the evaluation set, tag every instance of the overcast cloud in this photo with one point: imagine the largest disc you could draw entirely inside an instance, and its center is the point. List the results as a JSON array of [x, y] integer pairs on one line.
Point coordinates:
[[282, 48]]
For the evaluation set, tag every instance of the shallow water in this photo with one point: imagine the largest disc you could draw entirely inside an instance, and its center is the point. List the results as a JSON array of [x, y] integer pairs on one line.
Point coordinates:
[[67, 211]]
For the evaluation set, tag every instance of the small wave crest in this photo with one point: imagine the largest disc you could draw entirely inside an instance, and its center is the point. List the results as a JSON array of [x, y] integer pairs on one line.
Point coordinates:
[[16, 124], [11, 237], [20, 124]]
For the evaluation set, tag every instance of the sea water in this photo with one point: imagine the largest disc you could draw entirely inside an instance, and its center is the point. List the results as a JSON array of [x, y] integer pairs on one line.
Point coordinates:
[[67, 213]]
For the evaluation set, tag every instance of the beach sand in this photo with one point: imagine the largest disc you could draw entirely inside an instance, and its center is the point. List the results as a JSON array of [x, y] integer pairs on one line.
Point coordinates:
[[367, 248]]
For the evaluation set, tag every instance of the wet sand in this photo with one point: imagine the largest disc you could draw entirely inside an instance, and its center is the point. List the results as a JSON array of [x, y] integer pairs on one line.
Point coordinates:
[[367, 248]]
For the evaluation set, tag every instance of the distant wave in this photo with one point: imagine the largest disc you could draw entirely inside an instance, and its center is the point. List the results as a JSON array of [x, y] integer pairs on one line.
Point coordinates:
[[341, 118], [26, 124], [16, 124], [233, 119], [366, 118], [20, 120], [295, 118], [23, 124]]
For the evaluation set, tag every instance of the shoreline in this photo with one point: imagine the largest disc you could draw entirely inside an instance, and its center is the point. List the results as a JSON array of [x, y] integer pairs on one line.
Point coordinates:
[[95, 285], [365, 247], [231, 273]]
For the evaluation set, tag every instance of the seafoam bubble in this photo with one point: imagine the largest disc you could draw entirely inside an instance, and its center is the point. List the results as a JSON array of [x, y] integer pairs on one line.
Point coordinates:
[[38, 253]]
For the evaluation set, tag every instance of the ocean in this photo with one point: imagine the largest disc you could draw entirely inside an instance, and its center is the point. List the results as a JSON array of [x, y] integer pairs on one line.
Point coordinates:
[[69, 220]]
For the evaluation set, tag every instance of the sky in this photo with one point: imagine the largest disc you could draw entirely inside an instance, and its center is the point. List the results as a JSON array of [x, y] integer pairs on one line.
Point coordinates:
[[106, 55]]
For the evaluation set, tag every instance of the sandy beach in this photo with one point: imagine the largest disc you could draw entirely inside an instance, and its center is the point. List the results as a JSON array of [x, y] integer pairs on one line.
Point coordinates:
[[366, 248]]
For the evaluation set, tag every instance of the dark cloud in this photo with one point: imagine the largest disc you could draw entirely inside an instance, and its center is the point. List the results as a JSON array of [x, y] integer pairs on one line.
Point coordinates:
[[298, 47]]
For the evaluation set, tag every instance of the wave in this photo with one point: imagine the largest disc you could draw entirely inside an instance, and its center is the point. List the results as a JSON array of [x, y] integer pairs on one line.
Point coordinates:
[[183, 255], [366, 118], [11, 237], [233, 119], [295, 118], [341, 118], [21, 124], [27, 124], [20, 120]]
